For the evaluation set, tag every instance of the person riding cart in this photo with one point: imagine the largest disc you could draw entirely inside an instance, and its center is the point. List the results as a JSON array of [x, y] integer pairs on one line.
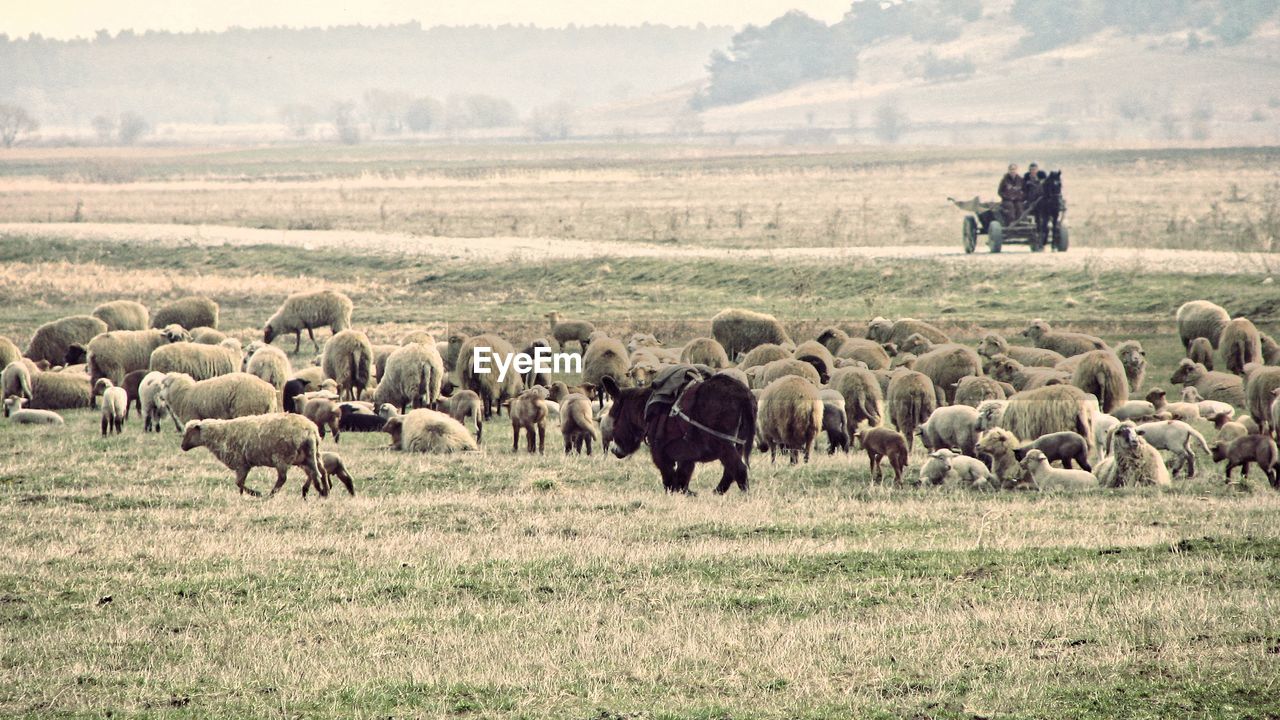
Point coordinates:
[[1011, 195]]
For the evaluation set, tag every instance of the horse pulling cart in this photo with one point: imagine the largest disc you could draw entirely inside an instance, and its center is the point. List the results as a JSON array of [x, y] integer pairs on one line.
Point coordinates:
[[1041, 223]]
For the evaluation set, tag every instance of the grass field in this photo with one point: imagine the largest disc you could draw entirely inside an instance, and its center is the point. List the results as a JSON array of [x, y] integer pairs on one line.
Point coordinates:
[[136, 582]]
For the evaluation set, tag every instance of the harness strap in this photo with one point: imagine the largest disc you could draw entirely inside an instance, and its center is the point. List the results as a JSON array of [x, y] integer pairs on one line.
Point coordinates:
[[677, 412]]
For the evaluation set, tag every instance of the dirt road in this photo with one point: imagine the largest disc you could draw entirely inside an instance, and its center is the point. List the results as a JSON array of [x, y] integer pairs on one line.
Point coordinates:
[[490, 249]]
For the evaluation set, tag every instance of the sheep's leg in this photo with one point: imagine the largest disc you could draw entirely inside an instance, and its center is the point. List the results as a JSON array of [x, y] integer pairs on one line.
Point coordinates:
[[280, 478], [311, 334], [515, 438], [105, 423], [586, 440], [542, 439], [808, 451], [347, 481], [241, 476], [297, 342], [479, 430]]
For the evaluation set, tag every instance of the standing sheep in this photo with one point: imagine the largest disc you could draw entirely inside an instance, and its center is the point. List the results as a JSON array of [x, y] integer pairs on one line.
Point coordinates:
[[863, 399], [954, 427], [881, 443], [308, 311], [189, 312], [789, 417], [577, 425], [1101, 374], [348, 360], [113, 355], [566, 331], [1201, 351], [201, 362], [322, 411], [464, 405], [1065, 343], [486, 384], [868, 352], [123, 315], [762, 355], [1134, 360], [704, 351], [947, 365], [832, 338], [269, 363], [8, 352], [115, 403], [52, 339], [740, 331], [911, 400], [1259, 393], [153, 407], [1023, 377], [1240, 345], [817, 355], [1242, 451], [1057, 408], [885, 331], [331, 466], [15, 379], [1201, 318], [222, 398], [995, 344], [428, 431], [604, 356], [1219, 386], [414, 373], [785, 368], [207, 336], [973, 389], [1270, 349], [278, 440], [529, 413], [1176, 437], [835, 421]]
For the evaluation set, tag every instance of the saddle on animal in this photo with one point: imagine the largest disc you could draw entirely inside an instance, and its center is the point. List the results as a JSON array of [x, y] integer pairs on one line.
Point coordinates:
[[669, 384]]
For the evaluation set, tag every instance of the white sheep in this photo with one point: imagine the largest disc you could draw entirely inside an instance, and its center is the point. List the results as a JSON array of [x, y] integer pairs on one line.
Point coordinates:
[[414, 373], [307, 311], [14, 411], [277, 440], [1176, 437], [944, 465], [199, 361], [115, 405], [428, 431], [154, 407], [269, 363], [1049, 478], [1208, 408], [223, 397], [952, 427]]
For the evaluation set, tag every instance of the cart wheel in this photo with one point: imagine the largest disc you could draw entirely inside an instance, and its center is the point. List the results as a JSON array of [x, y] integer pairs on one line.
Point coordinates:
[[995, 236], [970, 234], [1060, 242]]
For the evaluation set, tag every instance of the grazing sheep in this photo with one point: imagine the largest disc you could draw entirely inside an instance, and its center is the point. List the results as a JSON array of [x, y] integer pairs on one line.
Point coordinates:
[[1242, 451], [1064, 343], [911, 400], [884, 331], [189, 312], [947, 365], [413, 376], [115, 403], [869, 352], [835, 422], [954, 427], [60, 391], [322, 411], [786, 368], [1101, 374], [604, 356], [1201, 351], [428, 431], [1176, 437], [1023, 377], [1056, 408], [1063, 447], [464, 405], [348, 360], [789, 417], [529, 413], [331, 466], [704, 351], [740, 331], [1134, 360], [577, 425], [9, 352], [944, 465], [995, 344], [881, 443], [278, 440], [863, 398], [566, 331], [1175, 410], [222, 398], [971, 390], [308, 311], [1049, 478], [113, 355], [1000, 445], [1259, 393], [1240, 345], [15, 380], [123, 315], [1219, 386], [1134, 462], [817, 355], [52, 339], [1201, 318], [201, 362], [152, 406], [17, 415], [269, 363]]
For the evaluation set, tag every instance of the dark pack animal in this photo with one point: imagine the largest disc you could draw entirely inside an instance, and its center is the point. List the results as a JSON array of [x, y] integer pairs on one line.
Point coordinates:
[[1049, 206], [711, 418], [1063, 447]]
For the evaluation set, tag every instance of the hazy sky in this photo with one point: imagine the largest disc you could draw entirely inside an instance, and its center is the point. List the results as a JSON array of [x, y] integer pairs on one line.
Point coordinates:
[[70, 18]]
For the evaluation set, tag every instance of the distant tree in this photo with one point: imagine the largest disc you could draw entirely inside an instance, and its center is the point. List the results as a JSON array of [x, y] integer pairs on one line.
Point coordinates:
[[298, 117], [131, 127], [551, 122], [15, 122], [104, 126], [344, 121], [487, 111], [424, 114], [891, 123], [386, 110]]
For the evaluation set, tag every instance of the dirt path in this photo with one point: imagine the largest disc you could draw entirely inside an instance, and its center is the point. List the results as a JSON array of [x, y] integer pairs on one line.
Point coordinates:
[[489, 249]]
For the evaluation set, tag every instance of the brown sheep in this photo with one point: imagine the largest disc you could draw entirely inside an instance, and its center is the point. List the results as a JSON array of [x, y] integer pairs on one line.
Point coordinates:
[[529, 413], [324, 412], [577, 425], [1066, 343], [464, 405], [486, 384], [880, 443], [911, 399], [1201, 351], [1240, 345], [1101, 374], [1260, 449]]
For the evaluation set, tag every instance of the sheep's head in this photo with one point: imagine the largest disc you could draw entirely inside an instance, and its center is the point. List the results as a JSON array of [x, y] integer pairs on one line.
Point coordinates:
[[1037, 329], [1156, 396], [832, 337], [191, 437], [991, 345], [394, 426], [1187, 371], [1003, 367], [1191, 394], [997, 442], [880, 329], [176, 333], [13, 404], [916, 343], [76, 354], [1033, 458], [904, 360]]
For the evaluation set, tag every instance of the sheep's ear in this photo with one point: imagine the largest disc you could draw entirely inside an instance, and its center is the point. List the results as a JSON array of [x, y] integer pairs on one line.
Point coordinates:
[[611, 386]]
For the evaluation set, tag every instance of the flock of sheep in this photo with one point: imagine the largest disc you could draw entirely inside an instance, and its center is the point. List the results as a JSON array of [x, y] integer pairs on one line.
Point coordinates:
[[995, 415]]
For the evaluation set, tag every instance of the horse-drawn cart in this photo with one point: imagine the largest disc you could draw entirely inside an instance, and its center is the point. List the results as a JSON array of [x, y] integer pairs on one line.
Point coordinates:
[[986, 218]]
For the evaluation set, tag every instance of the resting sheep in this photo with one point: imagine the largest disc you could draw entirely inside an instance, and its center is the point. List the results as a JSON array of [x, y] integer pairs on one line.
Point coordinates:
[[278, 440], [1176, 410], [348, 360], [884, 331], [1219, 386], [307, 311], [1049, 478], [740, 331], [1023, 377], [944, 465], [789, 417], [60, 391], [1000, 445], [428, 431], [189, 312], [1133, 462], [19, 416], [51, 340], [224, 397], [1064, 343]]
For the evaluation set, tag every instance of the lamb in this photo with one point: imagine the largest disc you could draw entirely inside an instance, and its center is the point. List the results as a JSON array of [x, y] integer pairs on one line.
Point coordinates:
[[1134, 360], [1240, 345], [818, 356], [789, 417], [1228, 429], [529, 413], [911, 400], [201, 362], [1260, 449], [277, 440], [308, 311], [413, 376], [1176, 410], [123, 315], [1210, 408], [1063, 447], [1201, 351], [8, 352], [869, 352], [971, 390], [324, 412], [863, 399], [115, 354], [1176, 437], [1049, 478], [885, 331], [566, 331], [52, 339], [189, 312], [1219, 386], [1136, 410], [762, 355], [742, 330], [1022, 377], [1101, 374], [486, 385], [1201, 318], [881, 443], [356, 418], [1133, 462], [17, 415], [348, 359], [331, 466], [115, 404], [1056, 408], [947, 365], [999, 444], [269, 363], [428, 431], [1259, 392], [832, 338], [995, 344], [464, 405], [786, 368], [61, 391], [1064, 343], [577, 424], [224, 397], [15, 380], [969, 472], [953, 427], [153, 406]]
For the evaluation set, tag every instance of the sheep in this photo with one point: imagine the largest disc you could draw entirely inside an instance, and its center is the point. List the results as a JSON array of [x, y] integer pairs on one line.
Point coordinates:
[[1056, 408], [308, 311], [115, 403], [1175, 410], [322, 411], [740, 331], [1133, 462], [1048, 478], [355, 418], [123, 315], [881, 443], [464, 405], [1201, 351], [207, 336], [832, 338], [604, 356], [1242, 451], [577, 425], [487, 385], [1219, 386], [863, 399], [1240, 345], [789, 417], [644, 367], [17, 415], [945, 465], [453, 346], [131, 383], [113, 355], [61, 391], [990, 414], [277, 440], [1063, 447], [201, 362], [817, 355], [911, 399], [566, 331], [1274, 413], [313, 377], [785, 368], [9, 352], [348, 359], [1259, 392], [704, 351], [736, 374], [884, 331], [533, 376], [1137, 410], [331, 466], [866, 351], [999, 445], [221, 398], [971, 390], [428, 431], [762, 355], [1101, 374], [152, 406], [835, 421], [1201, 318], [1270, 349], [189, 312], [15, 379], [953, 427], [1065, 343], [1134, 360], [380, 354], [947, 365], [993, 344], [1023, 377], [52, 339], [413, 376], [1228, 429], [269, 363], [529, 413], [1176, 437]]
